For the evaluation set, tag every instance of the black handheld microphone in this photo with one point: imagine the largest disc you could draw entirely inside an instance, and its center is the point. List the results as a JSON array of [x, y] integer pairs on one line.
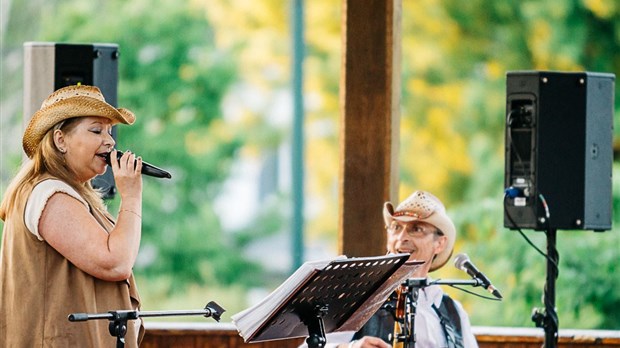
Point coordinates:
[[462, 262], [147, 169]]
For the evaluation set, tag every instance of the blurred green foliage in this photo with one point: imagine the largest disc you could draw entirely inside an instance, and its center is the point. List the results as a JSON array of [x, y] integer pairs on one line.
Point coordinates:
[[180, 60]]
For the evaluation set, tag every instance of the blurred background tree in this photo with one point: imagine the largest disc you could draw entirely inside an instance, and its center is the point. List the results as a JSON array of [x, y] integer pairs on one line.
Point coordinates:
[[210, 83]]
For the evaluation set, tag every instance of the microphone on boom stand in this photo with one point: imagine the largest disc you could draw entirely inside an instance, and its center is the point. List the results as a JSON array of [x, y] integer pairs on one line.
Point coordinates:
[[462, 262]]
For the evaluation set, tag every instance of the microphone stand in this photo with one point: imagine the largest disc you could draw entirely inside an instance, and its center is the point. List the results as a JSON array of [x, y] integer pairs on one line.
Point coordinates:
[[118, 319], [413, 286]]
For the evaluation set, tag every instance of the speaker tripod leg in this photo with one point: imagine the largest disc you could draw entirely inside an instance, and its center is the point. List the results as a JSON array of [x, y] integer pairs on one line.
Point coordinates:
[[549, 319]]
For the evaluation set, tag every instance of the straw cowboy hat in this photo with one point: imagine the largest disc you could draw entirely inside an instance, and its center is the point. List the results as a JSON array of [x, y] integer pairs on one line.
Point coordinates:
[[69, 102], [423, 206]]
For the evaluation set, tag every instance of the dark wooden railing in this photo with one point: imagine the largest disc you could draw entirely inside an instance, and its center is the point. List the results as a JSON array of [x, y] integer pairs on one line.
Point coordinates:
[[495, 337], [224, 335]]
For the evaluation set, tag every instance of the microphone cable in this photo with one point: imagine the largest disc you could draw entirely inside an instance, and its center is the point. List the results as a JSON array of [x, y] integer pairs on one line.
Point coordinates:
[[549, 318], [527, 239], [434, 282]]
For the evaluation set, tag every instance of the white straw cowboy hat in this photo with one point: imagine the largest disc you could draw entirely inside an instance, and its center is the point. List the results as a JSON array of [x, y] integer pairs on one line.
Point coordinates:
[[423, 206], [69, 102]]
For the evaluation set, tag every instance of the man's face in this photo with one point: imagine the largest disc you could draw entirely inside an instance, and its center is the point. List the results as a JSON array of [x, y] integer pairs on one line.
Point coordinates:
[[420, 239]]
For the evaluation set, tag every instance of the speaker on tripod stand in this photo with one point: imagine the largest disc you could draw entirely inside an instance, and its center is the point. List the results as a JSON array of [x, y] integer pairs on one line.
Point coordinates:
[[49, 66], [558, 150]]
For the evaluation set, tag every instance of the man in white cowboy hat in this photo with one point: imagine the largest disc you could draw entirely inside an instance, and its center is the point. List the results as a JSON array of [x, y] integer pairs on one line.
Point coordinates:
[[420, 226], [62, 251]]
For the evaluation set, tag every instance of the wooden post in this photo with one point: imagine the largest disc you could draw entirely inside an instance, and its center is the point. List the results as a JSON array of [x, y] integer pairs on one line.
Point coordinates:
[[370, 120]]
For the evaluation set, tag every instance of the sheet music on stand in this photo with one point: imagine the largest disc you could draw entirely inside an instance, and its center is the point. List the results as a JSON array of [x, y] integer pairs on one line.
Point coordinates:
[[343, 292]]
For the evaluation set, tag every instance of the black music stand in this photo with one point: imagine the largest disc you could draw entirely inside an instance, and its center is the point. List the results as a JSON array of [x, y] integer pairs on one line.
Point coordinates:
[[118, 319], [339, 297]]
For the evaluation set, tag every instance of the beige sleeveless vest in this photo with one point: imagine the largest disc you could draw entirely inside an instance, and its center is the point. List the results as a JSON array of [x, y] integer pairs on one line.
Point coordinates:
[[39, 288]]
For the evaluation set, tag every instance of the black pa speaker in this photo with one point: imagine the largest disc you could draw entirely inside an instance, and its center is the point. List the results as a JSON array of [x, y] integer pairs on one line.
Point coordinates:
[[558, 150], [50, 66]]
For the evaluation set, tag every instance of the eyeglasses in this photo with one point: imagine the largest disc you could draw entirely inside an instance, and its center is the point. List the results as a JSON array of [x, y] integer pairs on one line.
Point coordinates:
[[412, 229]]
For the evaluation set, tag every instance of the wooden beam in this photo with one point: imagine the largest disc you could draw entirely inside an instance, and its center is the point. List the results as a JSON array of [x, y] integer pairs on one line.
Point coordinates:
[[370, 120]]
